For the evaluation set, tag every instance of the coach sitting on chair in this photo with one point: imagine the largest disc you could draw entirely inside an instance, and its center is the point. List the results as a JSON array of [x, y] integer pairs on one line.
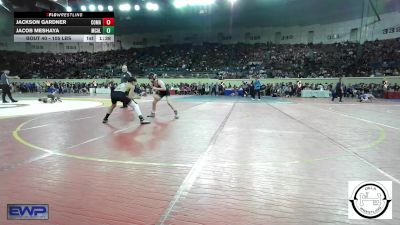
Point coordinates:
[[5, 85]]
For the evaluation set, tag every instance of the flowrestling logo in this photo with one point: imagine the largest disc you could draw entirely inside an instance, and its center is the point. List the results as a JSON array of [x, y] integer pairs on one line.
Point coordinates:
[[27, 212], [370, 200]]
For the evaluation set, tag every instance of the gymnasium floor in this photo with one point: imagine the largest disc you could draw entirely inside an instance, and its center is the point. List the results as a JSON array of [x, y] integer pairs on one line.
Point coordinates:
[[227, 161]]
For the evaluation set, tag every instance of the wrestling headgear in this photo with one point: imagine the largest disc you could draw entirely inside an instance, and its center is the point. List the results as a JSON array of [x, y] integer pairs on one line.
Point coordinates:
[[152, 76]]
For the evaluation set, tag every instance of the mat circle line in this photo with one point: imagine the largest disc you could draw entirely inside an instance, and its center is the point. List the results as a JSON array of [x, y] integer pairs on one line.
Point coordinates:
[[22, 141]]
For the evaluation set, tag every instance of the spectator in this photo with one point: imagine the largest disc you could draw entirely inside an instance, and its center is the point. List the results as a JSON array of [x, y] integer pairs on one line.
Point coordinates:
[[257, 88], [376, 58]]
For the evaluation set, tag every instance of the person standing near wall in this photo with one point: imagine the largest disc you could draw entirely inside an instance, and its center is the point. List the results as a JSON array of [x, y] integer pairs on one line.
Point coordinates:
[[213, 89], [251, 88], [299, 88], [339, 91], [257, 88], [207, 89], [5, 85], [94, 86]]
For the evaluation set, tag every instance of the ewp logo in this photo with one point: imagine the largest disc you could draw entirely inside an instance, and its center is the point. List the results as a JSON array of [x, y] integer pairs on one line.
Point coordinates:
[[27, 211]]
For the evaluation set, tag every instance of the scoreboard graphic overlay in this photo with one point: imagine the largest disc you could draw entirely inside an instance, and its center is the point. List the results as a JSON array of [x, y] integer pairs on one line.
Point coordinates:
[[64, 27]]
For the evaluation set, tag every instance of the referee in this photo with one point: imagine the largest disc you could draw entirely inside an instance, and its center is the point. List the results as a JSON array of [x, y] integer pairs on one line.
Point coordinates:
[[124, 79], [5, 85]]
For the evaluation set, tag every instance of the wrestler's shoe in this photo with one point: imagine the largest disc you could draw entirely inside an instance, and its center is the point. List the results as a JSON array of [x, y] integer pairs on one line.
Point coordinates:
[[143, 121], [152, 115]]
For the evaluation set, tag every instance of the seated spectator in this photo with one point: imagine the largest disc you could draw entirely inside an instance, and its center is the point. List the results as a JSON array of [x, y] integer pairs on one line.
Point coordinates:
[[378, 58]]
